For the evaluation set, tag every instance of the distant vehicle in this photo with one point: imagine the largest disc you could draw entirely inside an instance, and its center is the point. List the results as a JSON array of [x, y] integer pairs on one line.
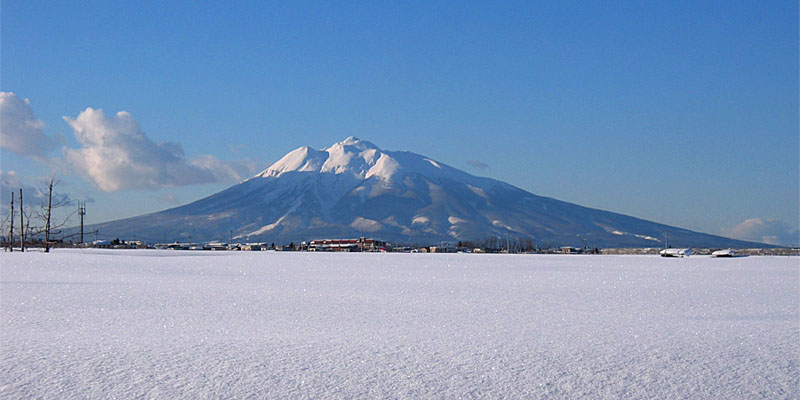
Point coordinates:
[[675, 252]]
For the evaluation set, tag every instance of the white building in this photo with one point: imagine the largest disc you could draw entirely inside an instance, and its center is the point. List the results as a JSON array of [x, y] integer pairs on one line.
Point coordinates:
[[675, 252]]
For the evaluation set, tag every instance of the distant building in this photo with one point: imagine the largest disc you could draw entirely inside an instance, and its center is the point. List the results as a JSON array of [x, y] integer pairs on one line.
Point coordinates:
[[253, 247], [180, 246], [103, 244], [724, 253], [570, 250], [352, 245], [216, 246], [675, 252]]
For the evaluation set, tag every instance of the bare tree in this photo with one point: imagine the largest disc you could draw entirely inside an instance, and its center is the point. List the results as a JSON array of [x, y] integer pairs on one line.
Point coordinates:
[[21, 223], [4, 224], [11, 230], [28, 231], [52, 202]]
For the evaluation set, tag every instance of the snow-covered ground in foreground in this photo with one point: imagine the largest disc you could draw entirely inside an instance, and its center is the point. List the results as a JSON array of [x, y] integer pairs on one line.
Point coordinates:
[[160, 324]]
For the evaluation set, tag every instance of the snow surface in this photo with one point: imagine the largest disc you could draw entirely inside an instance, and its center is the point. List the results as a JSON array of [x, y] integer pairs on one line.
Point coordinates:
[[161, 324]]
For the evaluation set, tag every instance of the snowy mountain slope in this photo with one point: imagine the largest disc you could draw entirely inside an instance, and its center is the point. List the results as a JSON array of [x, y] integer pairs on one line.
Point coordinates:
[[354, 186]]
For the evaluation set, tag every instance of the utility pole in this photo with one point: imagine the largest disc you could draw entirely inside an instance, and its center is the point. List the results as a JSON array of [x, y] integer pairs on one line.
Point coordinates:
[[508, 242], [81, 213], [21, 224], [11, 230], [667, 237]]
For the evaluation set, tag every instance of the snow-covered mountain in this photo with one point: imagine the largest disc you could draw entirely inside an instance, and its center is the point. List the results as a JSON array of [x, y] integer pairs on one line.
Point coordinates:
[[354, 187]]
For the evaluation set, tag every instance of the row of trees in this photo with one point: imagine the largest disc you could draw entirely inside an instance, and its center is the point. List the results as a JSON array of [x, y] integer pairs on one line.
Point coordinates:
[[37, 219], [498, 243]]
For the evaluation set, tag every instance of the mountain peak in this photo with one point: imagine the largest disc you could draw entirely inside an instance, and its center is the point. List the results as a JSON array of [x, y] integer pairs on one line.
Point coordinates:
[[353, 156], [350, 140], [355, 142]]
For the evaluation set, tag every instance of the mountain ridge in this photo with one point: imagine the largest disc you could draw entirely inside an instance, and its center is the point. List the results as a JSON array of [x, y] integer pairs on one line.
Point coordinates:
[[354, 186]]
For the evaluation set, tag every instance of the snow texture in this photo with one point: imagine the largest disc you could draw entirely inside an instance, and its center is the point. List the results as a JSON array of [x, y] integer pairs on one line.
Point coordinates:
[[160, 324]]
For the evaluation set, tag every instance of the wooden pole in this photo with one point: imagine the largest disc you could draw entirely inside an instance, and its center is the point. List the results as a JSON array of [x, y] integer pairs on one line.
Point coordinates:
[[11, 230], [21, 224], [47, 222]]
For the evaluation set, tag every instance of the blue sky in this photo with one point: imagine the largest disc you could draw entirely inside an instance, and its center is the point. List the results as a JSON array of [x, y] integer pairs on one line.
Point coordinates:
[[684, 113]]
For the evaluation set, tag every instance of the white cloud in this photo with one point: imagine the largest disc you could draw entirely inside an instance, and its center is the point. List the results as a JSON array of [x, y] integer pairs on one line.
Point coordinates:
[[222, 170], [765, 231], [116, 154], [20, 131]]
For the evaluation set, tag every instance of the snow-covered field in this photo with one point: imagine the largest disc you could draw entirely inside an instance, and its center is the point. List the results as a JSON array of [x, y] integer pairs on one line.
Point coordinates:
[[161, 324]]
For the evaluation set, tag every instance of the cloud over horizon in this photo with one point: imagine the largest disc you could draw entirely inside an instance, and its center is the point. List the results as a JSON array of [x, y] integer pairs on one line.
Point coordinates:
[[20, 131], [224, 171], [34, 195], [116, 154], [765, 231]]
